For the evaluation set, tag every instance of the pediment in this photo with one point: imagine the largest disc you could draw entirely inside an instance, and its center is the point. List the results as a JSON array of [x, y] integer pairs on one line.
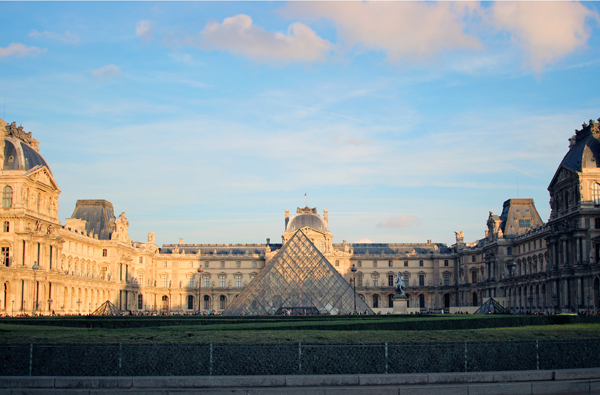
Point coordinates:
[[42, 175], [561, 174]]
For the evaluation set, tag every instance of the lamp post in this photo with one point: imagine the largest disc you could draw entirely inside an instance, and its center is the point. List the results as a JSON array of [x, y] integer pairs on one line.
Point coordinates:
[[35, 268], [200, 270], [79, 306], [530, 300], [50, 305], [554, 301], [13, 308], [353, 270]]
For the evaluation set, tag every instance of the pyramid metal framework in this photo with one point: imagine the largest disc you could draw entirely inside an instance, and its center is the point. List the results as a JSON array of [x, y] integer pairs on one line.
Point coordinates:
[[107, 308], [298, 276], [491, 307]]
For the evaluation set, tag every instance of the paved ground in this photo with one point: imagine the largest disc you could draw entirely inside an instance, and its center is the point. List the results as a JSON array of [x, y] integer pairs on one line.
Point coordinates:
[[563, 382]]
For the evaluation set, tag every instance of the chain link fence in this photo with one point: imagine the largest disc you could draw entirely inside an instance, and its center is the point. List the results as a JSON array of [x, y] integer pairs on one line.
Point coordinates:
[[290, 359]]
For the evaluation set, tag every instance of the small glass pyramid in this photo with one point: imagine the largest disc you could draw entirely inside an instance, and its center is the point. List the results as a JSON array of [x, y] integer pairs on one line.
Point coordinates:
[[297, 277], [491, 307], [107, 308]]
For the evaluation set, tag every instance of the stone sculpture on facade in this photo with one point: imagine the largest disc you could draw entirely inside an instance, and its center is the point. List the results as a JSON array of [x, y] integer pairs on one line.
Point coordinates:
[[400, 287]]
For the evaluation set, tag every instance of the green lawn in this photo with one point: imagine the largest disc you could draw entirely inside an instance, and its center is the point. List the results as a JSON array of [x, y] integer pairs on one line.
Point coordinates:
[[272, 330]]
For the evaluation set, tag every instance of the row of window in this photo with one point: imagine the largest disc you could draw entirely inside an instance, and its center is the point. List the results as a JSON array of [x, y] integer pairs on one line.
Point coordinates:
[[191, 302], [206, 283], [391, 263], [391, 280], [238, 264], [7, 198]]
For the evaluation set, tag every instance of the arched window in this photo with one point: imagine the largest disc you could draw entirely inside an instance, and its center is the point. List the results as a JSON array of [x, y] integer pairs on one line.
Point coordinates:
[[222, 302], [190, 302], [7, 195], [596, 193], [140, 301], [206, 302], [375, 301]]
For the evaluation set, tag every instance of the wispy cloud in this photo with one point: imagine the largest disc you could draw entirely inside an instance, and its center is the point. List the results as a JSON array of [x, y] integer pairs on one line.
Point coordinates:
[[66, 37], [545, 31], [403, 221], [20, 51], [404, 30], [144, 30], [239, 35], [107, 71]]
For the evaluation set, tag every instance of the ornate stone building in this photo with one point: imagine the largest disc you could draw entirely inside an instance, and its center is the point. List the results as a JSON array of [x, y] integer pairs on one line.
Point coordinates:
[[73, 267]]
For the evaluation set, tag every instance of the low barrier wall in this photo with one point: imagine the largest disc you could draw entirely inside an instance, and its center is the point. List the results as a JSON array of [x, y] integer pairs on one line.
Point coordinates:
[[293, 359]]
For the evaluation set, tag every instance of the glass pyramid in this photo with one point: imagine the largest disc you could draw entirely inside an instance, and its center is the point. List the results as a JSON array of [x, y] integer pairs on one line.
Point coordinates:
[[107, 308], [491, 307], [298, 276]]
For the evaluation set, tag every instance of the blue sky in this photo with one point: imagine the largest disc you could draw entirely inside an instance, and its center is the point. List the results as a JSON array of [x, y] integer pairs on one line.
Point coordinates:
[[206, 120]]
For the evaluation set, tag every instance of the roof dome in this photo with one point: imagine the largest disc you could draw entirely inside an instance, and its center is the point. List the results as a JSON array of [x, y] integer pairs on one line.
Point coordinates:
[[306, 217], [20, 150]]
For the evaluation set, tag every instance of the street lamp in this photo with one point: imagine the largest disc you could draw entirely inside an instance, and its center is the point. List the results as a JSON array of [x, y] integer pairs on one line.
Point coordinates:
[[530, 300], [13, 308], [200, 270], [353, 270], [79, 306], [50, 305], [35, 268]]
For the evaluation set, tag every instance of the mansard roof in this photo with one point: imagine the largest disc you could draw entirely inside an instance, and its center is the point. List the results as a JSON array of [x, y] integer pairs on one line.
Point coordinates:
[[20, 150], [306, 217], [99, 216]]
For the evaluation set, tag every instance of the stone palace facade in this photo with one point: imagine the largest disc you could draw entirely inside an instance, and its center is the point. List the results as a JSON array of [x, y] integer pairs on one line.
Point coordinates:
[[72, 268]]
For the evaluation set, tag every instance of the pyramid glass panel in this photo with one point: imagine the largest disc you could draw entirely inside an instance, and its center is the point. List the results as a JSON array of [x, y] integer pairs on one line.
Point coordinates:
[[492, 307], [298, 276]]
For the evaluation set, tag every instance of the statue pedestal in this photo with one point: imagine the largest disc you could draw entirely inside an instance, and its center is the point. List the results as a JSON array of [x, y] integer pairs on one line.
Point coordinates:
[[400, 304]]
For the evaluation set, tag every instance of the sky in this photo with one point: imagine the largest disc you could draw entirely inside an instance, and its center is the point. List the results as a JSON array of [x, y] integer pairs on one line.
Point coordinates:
[[206, 120]]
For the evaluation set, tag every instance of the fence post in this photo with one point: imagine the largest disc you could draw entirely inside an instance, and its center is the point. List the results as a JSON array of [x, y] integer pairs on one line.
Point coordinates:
[[30, 358], [210, 366], [299, 357], [386, 358], [120, 357], [465, 356], [537, 355]]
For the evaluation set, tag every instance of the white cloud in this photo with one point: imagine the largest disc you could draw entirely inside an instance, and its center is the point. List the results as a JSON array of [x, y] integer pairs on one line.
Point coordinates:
[[365, 240], [403, 221], [20, 50], [545, 31], [107, 71], [66, 37], [239, 35], [144, 30], [405, 30]]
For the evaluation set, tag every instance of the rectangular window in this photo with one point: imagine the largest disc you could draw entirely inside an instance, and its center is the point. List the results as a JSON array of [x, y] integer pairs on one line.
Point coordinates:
[[445, 262], [446, 280], [238, 281], [390, 263], [222, 264], [508, 250], [141, 278], [359, 281], [50, 260], [390, 280], [222, 281], [141, 260], [105, 252], [253, 264], [597, 223], [206, 281], [374, 263], [165, 280], [525, 223], [405, 263], [421, 263], [5, 256], [191, 281], [206, 264], [421, 280], [375, 281], [238, 264], [473, 276]]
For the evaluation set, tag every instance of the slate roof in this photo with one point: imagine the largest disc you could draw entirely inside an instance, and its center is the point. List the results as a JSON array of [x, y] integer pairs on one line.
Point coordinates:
[[574, 159], [99, 216], [20, 156]]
